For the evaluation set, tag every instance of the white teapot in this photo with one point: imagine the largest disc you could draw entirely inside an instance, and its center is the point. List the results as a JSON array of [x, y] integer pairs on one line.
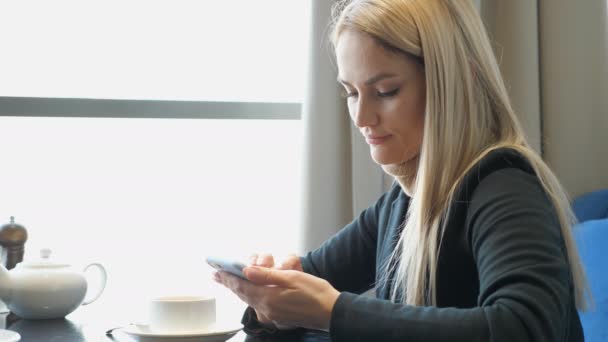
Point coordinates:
[[44, 289]]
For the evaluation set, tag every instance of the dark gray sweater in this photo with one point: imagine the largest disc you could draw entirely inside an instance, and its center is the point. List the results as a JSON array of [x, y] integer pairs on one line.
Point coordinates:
[[502, 272]]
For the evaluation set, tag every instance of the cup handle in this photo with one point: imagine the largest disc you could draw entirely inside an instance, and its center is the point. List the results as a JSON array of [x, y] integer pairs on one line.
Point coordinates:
[[104, 277]]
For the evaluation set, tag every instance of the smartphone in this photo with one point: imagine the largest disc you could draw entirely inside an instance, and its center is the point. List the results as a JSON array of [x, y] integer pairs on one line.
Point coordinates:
[[230, 266]]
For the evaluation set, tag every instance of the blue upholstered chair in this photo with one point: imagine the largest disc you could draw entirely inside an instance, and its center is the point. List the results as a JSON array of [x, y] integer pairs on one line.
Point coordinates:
[[591, 206], [591, 236]]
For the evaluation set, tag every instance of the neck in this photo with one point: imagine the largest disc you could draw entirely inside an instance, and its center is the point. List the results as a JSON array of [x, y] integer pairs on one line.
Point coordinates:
[[405, 174]]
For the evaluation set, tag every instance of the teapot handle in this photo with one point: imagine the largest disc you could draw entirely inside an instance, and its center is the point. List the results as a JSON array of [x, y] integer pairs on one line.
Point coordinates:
[[104, 277]]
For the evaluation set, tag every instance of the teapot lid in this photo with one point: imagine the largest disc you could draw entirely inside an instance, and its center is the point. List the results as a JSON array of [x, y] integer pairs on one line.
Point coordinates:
[[43, 262]]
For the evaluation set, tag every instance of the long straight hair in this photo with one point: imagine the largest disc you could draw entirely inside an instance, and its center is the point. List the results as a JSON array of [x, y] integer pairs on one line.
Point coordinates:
[[468, 114]]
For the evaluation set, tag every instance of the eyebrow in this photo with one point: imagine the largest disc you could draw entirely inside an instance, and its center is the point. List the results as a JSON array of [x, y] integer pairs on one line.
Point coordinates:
[[373, 79]]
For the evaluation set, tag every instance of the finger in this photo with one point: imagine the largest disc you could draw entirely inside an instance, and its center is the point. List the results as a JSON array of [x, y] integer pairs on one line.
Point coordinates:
[[283, 263], [265, 260], [235, 284], [242, 288], [271, 276], [253, 258], [291, 262]]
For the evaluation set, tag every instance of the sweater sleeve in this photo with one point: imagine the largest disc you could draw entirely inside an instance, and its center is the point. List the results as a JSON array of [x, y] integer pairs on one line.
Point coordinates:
[[348, 259], [524, 277]]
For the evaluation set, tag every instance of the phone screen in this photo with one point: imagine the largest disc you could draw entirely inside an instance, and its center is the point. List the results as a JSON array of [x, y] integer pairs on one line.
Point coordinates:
[[230, 266]]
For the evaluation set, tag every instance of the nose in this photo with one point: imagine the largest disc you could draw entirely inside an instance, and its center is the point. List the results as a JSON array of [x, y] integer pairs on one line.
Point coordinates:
[[363, 113]]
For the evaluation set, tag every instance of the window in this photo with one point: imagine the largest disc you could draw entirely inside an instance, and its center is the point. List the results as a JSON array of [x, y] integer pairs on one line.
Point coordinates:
[[238, 50], [147, 135]]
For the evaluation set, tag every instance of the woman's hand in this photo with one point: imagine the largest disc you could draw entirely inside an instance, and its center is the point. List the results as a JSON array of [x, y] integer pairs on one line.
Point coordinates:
[[291, 262], [287, 297]]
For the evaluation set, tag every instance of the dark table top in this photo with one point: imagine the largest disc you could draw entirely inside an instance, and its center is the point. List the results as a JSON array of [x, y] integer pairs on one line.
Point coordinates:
[[90, 323], [88, 327], [76, 327]]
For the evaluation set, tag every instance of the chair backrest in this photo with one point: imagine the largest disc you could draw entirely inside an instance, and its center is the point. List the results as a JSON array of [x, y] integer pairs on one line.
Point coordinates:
[[592, 242], [591, 206]]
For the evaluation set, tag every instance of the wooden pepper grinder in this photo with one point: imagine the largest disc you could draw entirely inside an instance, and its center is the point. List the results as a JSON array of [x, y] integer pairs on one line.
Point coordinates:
[[12, 240]]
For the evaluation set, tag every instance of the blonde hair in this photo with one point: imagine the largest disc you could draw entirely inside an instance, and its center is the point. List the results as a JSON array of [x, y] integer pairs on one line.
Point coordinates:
[[468, 114]]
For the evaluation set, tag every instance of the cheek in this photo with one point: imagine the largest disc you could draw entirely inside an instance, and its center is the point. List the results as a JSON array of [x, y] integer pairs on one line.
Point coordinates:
[[408, 126]]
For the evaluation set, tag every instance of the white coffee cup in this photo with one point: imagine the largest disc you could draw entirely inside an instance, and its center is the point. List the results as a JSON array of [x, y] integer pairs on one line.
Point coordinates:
[[182, 314]]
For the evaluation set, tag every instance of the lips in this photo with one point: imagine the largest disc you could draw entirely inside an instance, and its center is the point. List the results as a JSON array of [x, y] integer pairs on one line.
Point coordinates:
[[376, 139]]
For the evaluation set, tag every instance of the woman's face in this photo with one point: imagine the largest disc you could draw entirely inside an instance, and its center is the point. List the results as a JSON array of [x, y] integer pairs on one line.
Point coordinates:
[[385, 95]]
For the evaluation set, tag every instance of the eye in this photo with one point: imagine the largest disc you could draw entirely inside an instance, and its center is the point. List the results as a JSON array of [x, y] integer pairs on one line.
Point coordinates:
[[388, 93], [347, 94]]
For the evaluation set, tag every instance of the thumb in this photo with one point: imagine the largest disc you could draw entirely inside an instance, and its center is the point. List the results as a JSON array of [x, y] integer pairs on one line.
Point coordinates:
[[270, 276]]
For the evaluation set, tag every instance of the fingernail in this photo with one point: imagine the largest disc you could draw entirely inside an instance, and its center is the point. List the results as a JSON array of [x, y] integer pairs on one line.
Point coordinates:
[[251, 271]]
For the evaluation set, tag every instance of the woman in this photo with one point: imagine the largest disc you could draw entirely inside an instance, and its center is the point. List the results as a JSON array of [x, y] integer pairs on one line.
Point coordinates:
[[473, 241]]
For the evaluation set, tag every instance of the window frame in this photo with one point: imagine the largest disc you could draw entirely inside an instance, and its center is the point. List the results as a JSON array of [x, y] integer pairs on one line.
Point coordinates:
[[165, 109]]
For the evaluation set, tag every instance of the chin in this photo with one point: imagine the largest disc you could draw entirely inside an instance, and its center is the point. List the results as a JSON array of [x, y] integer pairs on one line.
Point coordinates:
[[383, 159], [392, 158]]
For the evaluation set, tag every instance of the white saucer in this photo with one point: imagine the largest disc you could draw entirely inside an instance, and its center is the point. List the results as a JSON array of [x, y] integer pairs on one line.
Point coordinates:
[[9, 336], [220, 333]]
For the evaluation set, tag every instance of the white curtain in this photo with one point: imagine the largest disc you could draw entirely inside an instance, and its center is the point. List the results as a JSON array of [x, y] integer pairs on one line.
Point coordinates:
[[574, 73], [554, 57], [340, 179], [513, 29]]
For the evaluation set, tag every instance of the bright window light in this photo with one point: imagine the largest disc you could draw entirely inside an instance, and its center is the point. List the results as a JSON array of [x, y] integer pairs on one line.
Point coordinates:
[[150, 198], [237, 50]]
